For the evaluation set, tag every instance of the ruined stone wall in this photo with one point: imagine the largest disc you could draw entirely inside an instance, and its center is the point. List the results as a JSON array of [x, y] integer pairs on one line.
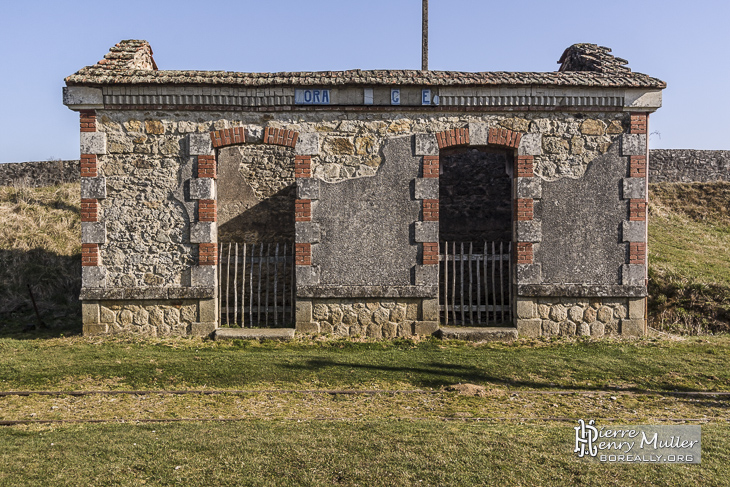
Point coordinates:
[[39, 173], [684, 165]]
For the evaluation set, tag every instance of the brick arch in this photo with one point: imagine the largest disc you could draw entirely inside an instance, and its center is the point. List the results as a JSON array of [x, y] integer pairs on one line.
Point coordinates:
[[239, 135], [498, 137]]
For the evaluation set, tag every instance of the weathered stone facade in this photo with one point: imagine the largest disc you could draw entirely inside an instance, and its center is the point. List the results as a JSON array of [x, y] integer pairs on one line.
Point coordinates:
[[354, 169]]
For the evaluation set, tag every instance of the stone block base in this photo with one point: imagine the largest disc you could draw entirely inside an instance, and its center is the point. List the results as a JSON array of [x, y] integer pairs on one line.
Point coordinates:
[[185, 317], [594, 317], [364, 317]]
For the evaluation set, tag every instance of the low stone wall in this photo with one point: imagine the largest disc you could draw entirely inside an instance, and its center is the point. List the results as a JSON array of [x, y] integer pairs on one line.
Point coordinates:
[[40, 173], [686, 165]]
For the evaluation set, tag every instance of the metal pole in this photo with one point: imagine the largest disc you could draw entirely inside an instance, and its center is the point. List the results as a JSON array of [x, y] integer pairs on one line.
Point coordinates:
[[424, 46]]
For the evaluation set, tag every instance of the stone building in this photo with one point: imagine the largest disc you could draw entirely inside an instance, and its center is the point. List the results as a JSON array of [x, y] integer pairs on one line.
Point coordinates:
[[413, 200]]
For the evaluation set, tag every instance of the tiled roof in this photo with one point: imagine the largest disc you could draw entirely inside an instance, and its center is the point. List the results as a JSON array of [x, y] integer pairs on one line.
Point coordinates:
[[131, 62]]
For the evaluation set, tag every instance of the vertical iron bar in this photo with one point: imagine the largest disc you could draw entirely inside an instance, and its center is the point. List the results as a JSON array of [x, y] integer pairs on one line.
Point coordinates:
[[485, 266], [283, 288], [471, 313], [268, 281], [501, 278], [453, 283], [250, 288], [235, 286], [446, 283], [228, 281], [461, 282], [276, 277], [261, 259], [494, 283], [479, 291], [509, 278], [243, 288]]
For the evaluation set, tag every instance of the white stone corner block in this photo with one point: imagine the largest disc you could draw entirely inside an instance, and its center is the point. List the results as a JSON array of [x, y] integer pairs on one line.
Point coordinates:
[[633, 275], [93, 276], [634, 188], [202, 189], [199, 145], [93, 232], [306, 232], [307, 275], [633, 231], [530, 145], [426, 232], [307, 144], [478, 133], [93, 143], [426, 145], [426, 275], [633, 144], [643, 99], [83, 97], [426, 188], [528, 188], [529, 231], [308, 188], [203, 276], [204, 232], [93, 187], [528, 274]]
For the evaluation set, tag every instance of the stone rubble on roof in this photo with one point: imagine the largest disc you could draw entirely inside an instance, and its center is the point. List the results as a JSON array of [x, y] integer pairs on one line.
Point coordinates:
[[131, 62]]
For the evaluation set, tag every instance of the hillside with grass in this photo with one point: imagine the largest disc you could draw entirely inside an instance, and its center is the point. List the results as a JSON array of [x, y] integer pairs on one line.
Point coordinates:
[[40, 254], [689, 257]]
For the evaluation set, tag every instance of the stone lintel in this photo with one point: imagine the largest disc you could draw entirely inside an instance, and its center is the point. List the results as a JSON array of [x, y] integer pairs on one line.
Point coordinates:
[[93, 187], [634, 188], [203, 276], [581, 290], [93, 232], [426, 188], [307, 144], [204, 232], [202, 189], [426, 232], [528, 188], [329, 291], [200, 145], [426, 145], [83, 98], [530, 145], [633, 231], [145, 293], [308, 188], [306, 232], [529, 273], [633, 145], [93, 143], [633, 275], [93, 276]]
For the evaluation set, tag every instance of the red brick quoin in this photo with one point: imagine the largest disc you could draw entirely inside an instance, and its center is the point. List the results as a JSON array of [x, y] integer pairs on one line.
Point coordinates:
[[207, 254], [87, 120], [637, 253], [89, 210], [302, 166], [525, 167], [524, 209], [430, 210], [88, 166], [207, 167], [303, 254], [430, 166], [430, 253], [89, 254], [524, 252], [303, 210], [638, 123]]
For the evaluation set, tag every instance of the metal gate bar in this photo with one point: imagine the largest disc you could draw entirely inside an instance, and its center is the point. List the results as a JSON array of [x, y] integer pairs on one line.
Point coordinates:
[[478, 290], [265, 300]]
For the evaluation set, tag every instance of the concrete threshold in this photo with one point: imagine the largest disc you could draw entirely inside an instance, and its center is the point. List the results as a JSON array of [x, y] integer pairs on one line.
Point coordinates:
[[477, 334], [283, 334]]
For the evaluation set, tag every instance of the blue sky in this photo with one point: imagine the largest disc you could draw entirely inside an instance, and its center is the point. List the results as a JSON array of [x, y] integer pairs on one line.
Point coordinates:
[[682, 43]]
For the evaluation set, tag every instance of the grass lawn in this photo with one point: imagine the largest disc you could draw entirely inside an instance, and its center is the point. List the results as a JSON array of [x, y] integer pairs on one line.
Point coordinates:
[[417, 413]]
